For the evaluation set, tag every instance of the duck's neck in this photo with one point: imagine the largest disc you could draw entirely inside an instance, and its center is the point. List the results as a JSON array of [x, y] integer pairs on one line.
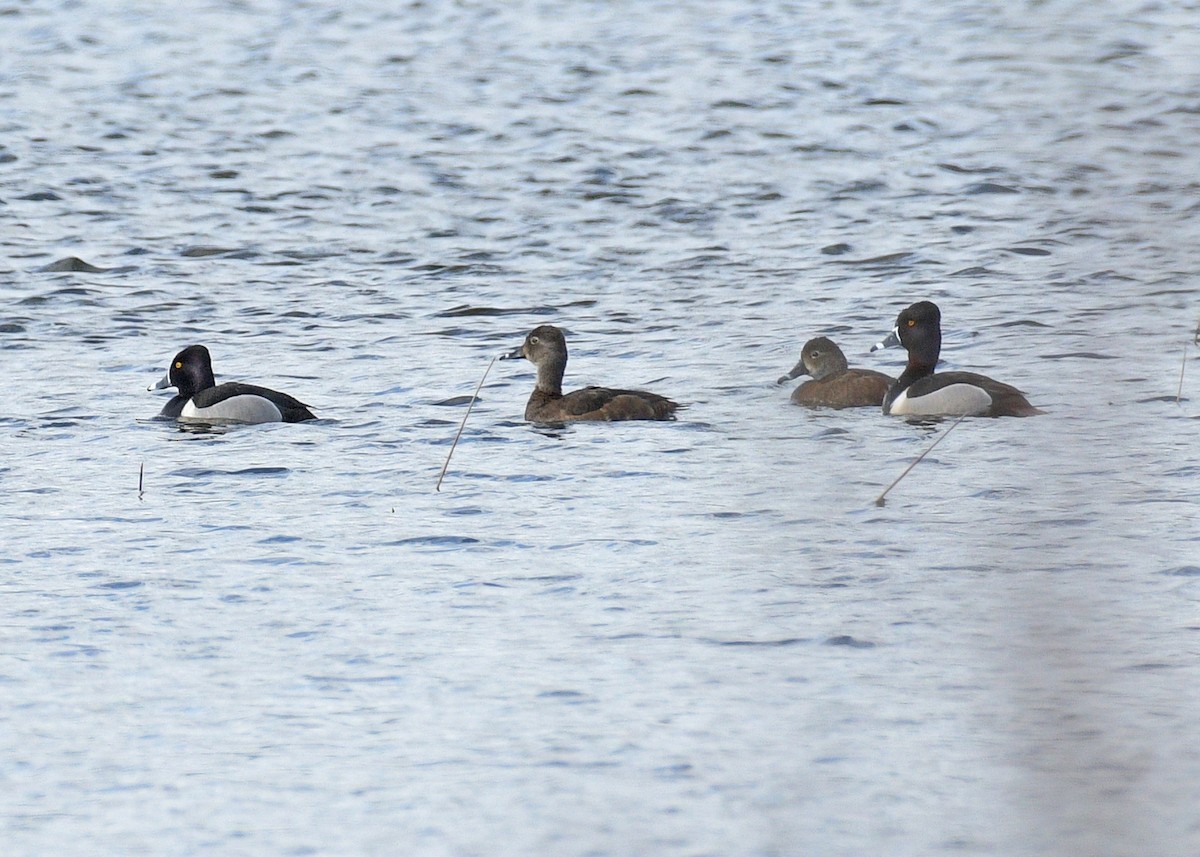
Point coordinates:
[[913, 372], [549, 378]]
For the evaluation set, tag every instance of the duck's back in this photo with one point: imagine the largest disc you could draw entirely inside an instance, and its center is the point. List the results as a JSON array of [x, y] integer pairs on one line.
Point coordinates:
[[600, 404]]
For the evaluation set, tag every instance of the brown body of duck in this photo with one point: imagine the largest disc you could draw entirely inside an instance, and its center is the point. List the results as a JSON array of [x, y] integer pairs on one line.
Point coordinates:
[[834, 384], [546, 348]]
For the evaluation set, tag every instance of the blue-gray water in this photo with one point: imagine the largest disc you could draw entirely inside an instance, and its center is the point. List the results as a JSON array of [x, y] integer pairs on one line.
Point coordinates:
[[694, 638]]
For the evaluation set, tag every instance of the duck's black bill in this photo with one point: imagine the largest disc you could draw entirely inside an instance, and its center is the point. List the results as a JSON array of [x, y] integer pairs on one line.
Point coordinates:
[[796, 372], [889, 341], [161, 385], [517, 353]]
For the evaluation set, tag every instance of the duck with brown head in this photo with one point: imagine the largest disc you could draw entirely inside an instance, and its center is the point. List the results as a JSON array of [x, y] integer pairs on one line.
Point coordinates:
[[546, 348], [834, 384], [919, 391]]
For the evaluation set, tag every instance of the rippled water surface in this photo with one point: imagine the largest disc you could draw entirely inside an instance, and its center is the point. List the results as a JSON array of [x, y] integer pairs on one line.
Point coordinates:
[[688, 638]]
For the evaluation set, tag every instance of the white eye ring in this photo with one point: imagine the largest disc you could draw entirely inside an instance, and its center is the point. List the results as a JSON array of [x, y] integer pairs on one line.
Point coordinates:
[[533, 340]]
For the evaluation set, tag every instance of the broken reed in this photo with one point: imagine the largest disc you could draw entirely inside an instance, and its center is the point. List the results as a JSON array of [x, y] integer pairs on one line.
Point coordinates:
[[463, 424]]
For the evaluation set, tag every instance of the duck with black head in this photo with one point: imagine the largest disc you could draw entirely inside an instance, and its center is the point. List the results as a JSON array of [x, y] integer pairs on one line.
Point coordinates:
[[919, 391], [546, 348], [201, 399], [834, 384]]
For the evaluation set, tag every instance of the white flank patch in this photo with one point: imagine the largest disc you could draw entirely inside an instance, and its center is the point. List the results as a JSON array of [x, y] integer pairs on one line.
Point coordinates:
[[952, 400], [238, 409]]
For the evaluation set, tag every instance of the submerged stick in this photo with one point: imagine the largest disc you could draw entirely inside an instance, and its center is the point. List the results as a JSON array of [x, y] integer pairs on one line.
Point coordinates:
[[463, 424], [1182, 366], [141, 478], [928, 449]]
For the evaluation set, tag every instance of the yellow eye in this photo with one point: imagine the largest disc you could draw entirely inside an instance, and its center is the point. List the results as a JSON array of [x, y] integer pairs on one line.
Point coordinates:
[[178, 364], [912, 322]]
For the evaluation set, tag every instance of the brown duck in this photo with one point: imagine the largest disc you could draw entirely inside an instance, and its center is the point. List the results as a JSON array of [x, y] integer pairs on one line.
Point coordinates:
[[546, 348], [834, 384]]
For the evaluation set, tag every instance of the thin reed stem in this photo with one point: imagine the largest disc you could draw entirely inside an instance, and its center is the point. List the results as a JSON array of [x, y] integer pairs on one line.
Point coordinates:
[[928, 449], [1182, 366], [463, 424]]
